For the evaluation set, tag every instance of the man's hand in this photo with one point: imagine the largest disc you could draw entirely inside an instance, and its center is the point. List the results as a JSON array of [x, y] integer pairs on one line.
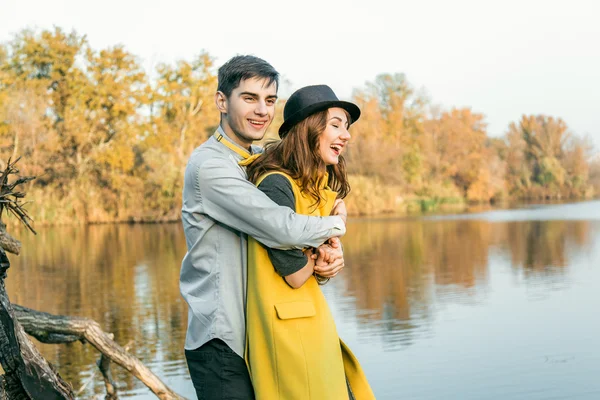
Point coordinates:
[[339, 208], [329, 260]]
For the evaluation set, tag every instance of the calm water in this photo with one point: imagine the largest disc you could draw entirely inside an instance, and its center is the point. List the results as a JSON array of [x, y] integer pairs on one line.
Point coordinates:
[[497, 305]]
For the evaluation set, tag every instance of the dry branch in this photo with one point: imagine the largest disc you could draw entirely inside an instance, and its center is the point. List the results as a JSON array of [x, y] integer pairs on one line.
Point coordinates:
[[10, 198], [111, 388], [42, 325]]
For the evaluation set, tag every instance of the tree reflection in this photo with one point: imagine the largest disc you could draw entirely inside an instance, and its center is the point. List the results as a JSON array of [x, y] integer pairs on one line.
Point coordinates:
[[541, 247], [397, 271]]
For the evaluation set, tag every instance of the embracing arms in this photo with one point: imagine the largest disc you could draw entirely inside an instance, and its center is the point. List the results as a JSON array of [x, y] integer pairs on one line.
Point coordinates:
[[222, 192]]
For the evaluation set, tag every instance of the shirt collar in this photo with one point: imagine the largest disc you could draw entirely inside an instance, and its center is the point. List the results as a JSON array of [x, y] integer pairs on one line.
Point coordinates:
[[222, 138]]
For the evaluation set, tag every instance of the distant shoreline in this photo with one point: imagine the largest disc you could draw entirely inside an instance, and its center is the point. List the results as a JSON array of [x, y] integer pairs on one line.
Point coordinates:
[[457, 210]]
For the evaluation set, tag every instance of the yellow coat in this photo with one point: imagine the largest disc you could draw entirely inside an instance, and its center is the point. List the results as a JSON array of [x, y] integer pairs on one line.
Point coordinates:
[[293, 350]]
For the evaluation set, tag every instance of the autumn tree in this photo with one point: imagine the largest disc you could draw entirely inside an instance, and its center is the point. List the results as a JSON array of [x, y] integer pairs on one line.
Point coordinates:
[[183, 116], [544, 159], [76, 112], [594, 176], [109, 143], [386, 138], [457, 152]]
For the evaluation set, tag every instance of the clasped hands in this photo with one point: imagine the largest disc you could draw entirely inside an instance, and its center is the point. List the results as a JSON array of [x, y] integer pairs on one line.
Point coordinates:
[[329, 257]]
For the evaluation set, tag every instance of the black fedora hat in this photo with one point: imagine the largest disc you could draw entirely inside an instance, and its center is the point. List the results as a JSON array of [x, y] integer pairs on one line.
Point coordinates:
[[309, 100]]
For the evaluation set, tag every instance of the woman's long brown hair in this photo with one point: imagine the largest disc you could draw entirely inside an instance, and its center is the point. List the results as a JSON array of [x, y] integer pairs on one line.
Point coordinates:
[[297, 155]]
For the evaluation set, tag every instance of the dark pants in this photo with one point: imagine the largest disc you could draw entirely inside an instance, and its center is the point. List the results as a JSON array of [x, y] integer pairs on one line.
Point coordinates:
[[218, 373]]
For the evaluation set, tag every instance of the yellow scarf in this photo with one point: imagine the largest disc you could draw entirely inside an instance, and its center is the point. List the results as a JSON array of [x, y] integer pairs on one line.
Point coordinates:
[[247, 157]]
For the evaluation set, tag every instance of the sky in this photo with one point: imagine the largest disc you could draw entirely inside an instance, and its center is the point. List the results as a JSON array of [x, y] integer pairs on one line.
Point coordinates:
[[500, 58]]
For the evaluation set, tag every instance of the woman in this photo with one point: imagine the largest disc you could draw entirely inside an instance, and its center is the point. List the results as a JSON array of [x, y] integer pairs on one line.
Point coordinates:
[[293, 349]]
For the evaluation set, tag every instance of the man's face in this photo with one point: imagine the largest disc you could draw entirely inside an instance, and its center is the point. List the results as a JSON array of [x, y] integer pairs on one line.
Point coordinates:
[[248, 111]]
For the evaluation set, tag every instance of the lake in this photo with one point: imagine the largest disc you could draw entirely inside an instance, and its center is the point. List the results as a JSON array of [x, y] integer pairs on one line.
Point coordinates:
[[494, 305]]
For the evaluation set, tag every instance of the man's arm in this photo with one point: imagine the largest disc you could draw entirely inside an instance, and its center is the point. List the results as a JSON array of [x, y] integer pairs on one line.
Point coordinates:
[[230, 199], [293, 265]]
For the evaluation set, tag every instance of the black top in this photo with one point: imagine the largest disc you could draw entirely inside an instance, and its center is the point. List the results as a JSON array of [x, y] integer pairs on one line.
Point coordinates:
[[279, 189]]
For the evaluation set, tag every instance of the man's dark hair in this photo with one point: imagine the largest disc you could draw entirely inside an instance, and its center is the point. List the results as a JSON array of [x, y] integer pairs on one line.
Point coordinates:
[[244, 67]]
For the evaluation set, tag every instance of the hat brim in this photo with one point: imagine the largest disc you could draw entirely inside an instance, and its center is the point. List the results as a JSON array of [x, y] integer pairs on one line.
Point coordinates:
[[351, 108]]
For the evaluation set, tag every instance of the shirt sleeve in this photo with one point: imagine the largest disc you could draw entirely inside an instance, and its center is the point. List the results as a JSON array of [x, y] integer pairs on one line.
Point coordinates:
[[279, 189], [226, 196]]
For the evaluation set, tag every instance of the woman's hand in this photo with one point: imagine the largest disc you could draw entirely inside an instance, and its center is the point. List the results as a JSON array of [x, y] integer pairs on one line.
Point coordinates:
[[329, 261], [339, 208]]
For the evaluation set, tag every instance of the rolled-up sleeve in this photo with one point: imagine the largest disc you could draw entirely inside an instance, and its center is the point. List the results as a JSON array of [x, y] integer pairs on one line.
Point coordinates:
[[226, 196]]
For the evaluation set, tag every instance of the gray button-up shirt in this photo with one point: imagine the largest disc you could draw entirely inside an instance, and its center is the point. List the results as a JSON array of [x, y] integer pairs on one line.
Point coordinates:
[[220, 208]]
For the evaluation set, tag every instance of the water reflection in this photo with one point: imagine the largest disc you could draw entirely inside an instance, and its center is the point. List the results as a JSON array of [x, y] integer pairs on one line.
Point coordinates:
[[539, 246], [398, 270], [404, 280]]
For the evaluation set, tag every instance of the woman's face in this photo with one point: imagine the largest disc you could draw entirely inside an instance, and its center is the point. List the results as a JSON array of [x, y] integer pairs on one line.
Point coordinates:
[[333, 140]]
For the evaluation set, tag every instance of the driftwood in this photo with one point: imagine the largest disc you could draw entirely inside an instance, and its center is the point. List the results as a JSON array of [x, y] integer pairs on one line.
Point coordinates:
[[48, 328], [7, 242], [24, 372]]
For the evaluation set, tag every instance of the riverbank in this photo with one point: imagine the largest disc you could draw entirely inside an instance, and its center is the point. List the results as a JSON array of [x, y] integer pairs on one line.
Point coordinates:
[[370, 197]]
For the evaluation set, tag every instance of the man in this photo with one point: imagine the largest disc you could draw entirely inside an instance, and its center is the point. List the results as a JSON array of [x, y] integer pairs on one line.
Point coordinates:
[[220, 208]]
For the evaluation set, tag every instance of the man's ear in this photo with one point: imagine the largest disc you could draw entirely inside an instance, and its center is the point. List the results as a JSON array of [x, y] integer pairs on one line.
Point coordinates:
[[221, 102]]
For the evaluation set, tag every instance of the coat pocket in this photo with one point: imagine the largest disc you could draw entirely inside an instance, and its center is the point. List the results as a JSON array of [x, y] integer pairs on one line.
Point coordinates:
[[291, 343], [295, 309]]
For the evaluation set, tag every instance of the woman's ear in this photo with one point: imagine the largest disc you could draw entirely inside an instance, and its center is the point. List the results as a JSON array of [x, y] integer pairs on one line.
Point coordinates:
[[221, 102]]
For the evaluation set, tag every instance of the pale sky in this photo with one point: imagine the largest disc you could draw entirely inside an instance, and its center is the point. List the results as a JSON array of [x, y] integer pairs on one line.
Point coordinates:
[[501, 58]]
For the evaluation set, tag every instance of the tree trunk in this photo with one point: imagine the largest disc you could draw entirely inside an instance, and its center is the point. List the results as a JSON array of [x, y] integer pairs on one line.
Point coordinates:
[[27, 375]]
